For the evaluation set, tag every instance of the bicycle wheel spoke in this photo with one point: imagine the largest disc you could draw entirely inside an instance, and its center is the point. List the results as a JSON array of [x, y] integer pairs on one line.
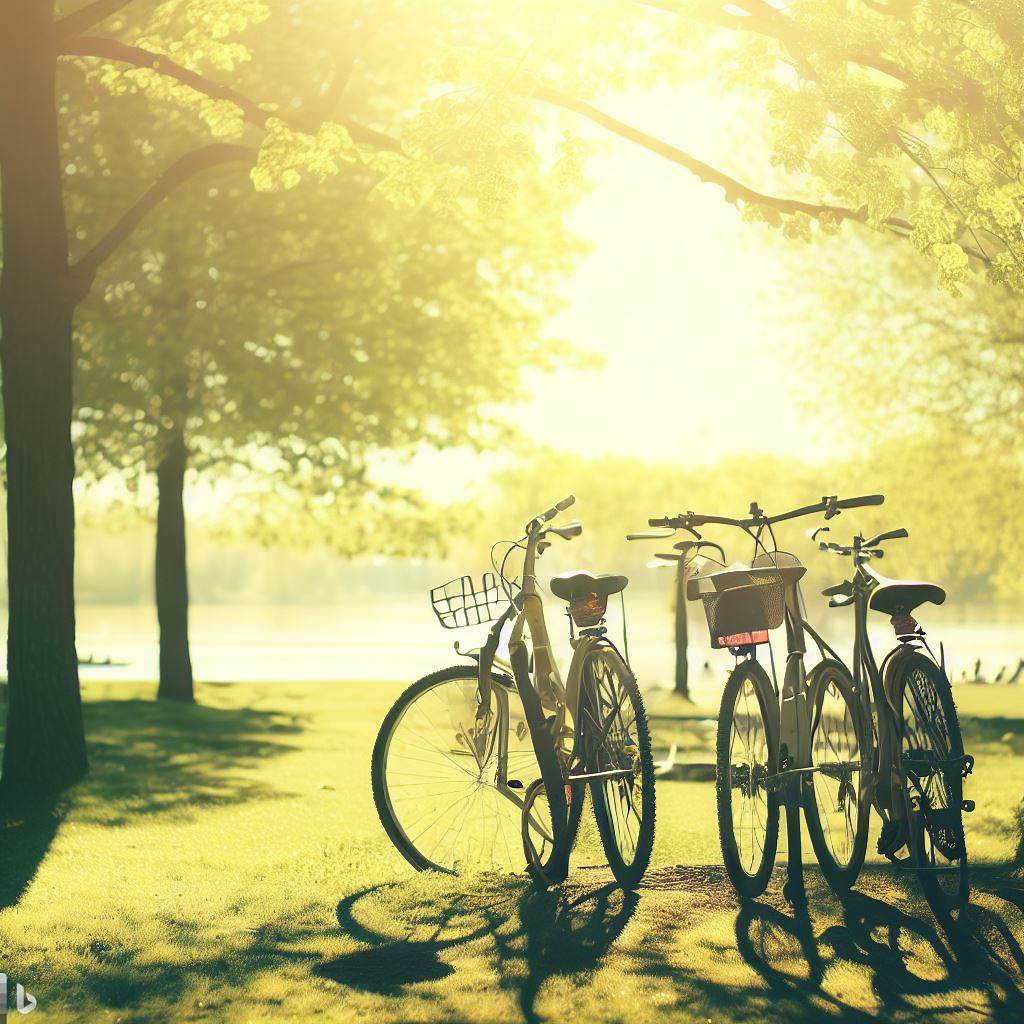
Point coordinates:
[[444, 797]]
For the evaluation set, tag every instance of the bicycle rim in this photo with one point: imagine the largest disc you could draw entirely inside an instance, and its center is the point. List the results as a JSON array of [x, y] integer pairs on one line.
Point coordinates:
[[438, 790], [933, 798], [616, 739], [837, 809], [748, 810]]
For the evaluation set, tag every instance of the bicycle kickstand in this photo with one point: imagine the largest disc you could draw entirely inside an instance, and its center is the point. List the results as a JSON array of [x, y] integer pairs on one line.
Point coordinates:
[[794, 890]]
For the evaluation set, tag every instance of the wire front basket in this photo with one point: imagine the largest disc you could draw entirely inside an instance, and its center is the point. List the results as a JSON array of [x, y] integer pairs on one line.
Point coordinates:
[[459, 603], [745, 600]]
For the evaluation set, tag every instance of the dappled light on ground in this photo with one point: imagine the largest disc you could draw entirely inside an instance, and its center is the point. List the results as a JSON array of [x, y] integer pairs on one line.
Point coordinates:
[[224, 864]]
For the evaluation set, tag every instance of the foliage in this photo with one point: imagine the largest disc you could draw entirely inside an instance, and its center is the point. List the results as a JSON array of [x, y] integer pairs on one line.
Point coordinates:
[[955, 506], [360, 297], [892, 357], [907, 112]]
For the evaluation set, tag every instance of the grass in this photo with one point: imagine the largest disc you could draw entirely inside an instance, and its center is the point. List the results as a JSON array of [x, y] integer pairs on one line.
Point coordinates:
[[224, 863]]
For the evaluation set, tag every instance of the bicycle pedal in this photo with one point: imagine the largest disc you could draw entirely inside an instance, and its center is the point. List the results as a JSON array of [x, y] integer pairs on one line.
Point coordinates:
[[891, 838]]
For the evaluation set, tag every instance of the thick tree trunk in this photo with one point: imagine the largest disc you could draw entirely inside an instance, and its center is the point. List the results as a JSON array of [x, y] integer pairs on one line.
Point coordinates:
[[682, 635], [172, 575], [45, 743]]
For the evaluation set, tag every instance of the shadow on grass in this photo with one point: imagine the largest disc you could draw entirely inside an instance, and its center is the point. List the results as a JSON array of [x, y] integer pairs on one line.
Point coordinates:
[[146, 758], [537, 935], [853, 960], [149, 757], [911, 967]]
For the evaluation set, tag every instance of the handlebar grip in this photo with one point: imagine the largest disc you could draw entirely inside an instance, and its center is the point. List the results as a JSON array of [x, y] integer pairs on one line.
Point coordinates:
[[550, 513], [888, 535], [864, 499], [658, 522]]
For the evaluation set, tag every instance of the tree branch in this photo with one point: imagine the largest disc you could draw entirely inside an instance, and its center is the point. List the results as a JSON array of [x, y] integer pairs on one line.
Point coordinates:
[[87, 17], [182, 170], [735, 191], [254, 113]]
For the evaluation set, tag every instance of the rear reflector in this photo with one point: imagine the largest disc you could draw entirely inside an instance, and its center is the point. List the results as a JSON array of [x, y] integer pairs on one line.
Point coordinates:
[[759, 636]]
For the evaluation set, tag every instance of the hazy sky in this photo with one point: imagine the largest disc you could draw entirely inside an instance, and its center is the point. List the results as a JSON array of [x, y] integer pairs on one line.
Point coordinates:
[[680, 296]]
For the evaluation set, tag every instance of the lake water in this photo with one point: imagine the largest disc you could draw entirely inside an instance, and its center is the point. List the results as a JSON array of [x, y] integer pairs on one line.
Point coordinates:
[[391, 638]]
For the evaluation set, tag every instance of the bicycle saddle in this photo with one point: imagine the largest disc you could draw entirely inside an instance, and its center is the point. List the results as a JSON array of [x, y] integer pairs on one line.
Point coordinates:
[[571, 586], [903, 596]]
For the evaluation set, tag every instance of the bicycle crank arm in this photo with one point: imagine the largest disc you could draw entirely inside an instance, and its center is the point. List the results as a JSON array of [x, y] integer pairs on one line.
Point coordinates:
[[780, 778], [612, 773]]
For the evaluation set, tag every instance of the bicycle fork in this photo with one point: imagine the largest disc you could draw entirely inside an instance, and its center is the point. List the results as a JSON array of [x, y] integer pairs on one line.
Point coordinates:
[[794, 760]]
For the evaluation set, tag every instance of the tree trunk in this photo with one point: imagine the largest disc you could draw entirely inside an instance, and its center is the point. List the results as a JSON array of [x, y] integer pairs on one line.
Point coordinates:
[[682, 635], [172, 575], [45, 745]]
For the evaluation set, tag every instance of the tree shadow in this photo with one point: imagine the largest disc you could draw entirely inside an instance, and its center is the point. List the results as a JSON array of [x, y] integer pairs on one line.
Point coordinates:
[[160, 757], [26, 832], [146, 758]]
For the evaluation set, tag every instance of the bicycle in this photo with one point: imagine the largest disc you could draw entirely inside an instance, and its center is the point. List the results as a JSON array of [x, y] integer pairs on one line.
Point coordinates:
[[826, 741], [916, 764], [476, 755]]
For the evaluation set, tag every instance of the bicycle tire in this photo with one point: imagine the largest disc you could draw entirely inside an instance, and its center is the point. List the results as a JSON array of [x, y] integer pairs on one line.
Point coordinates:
[[386, 811], [911, 670], [612, 799], [840, 875], [748, 883]]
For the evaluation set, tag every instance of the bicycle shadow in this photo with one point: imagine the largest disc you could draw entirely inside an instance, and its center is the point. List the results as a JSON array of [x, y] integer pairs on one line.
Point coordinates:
[[912, 966], [533, 935]]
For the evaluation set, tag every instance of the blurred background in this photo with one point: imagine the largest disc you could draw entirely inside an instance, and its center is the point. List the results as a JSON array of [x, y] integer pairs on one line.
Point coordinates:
[[360, 377]]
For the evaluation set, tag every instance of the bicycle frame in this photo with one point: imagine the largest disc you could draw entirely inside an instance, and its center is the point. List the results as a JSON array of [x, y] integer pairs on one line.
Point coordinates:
[[550, 694], [883, 755]]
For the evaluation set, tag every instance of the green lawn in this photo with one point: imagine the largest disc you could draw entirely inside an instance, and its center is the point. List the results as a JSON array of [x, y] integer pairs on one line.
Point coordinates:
[[224, 863]]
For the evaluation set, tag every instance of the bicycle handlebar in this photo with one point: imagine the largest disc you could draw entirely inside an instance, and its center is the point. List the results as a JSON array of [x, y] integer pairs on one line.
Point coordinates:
[[830, 505], [888, 535], [550, 513]]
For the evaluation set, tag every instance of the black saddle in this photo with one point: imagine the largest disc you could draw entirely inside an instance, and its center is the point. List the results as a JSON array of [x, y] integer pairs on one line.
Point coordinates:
[[901, 597], [571, 586]]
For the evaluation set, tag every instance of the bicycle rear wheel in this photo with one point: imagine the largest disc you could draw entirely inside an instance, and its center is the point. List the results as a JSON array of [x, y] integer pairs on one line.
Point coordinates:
[[616, 739], [837, 806], [931, 753], [747, 759], [443, 799]]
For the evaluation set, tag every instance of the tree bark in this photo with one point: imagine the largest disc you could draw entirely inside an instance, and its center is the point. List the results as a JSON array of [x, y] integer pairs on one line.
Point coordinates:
[[172, 575], [45, 743], [682, 634]]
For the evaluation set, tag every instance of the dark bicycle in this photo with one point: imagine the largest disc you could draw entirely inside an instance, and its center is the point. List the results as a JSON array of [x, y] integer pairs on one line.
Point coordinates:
[[915, 765]]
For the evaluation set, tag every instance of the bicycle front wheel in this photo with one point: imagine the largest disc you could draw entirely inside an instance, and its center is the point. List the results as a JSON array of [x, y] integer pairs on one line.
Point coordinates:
[[616, 740], [449, 791], [931, 755], [747, 763], [836, 802]]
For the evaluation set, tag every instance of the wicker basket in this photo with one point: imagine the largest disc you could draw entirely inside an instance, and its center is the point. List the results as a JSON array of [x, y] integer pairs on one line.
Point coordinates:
[[744, 600]]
